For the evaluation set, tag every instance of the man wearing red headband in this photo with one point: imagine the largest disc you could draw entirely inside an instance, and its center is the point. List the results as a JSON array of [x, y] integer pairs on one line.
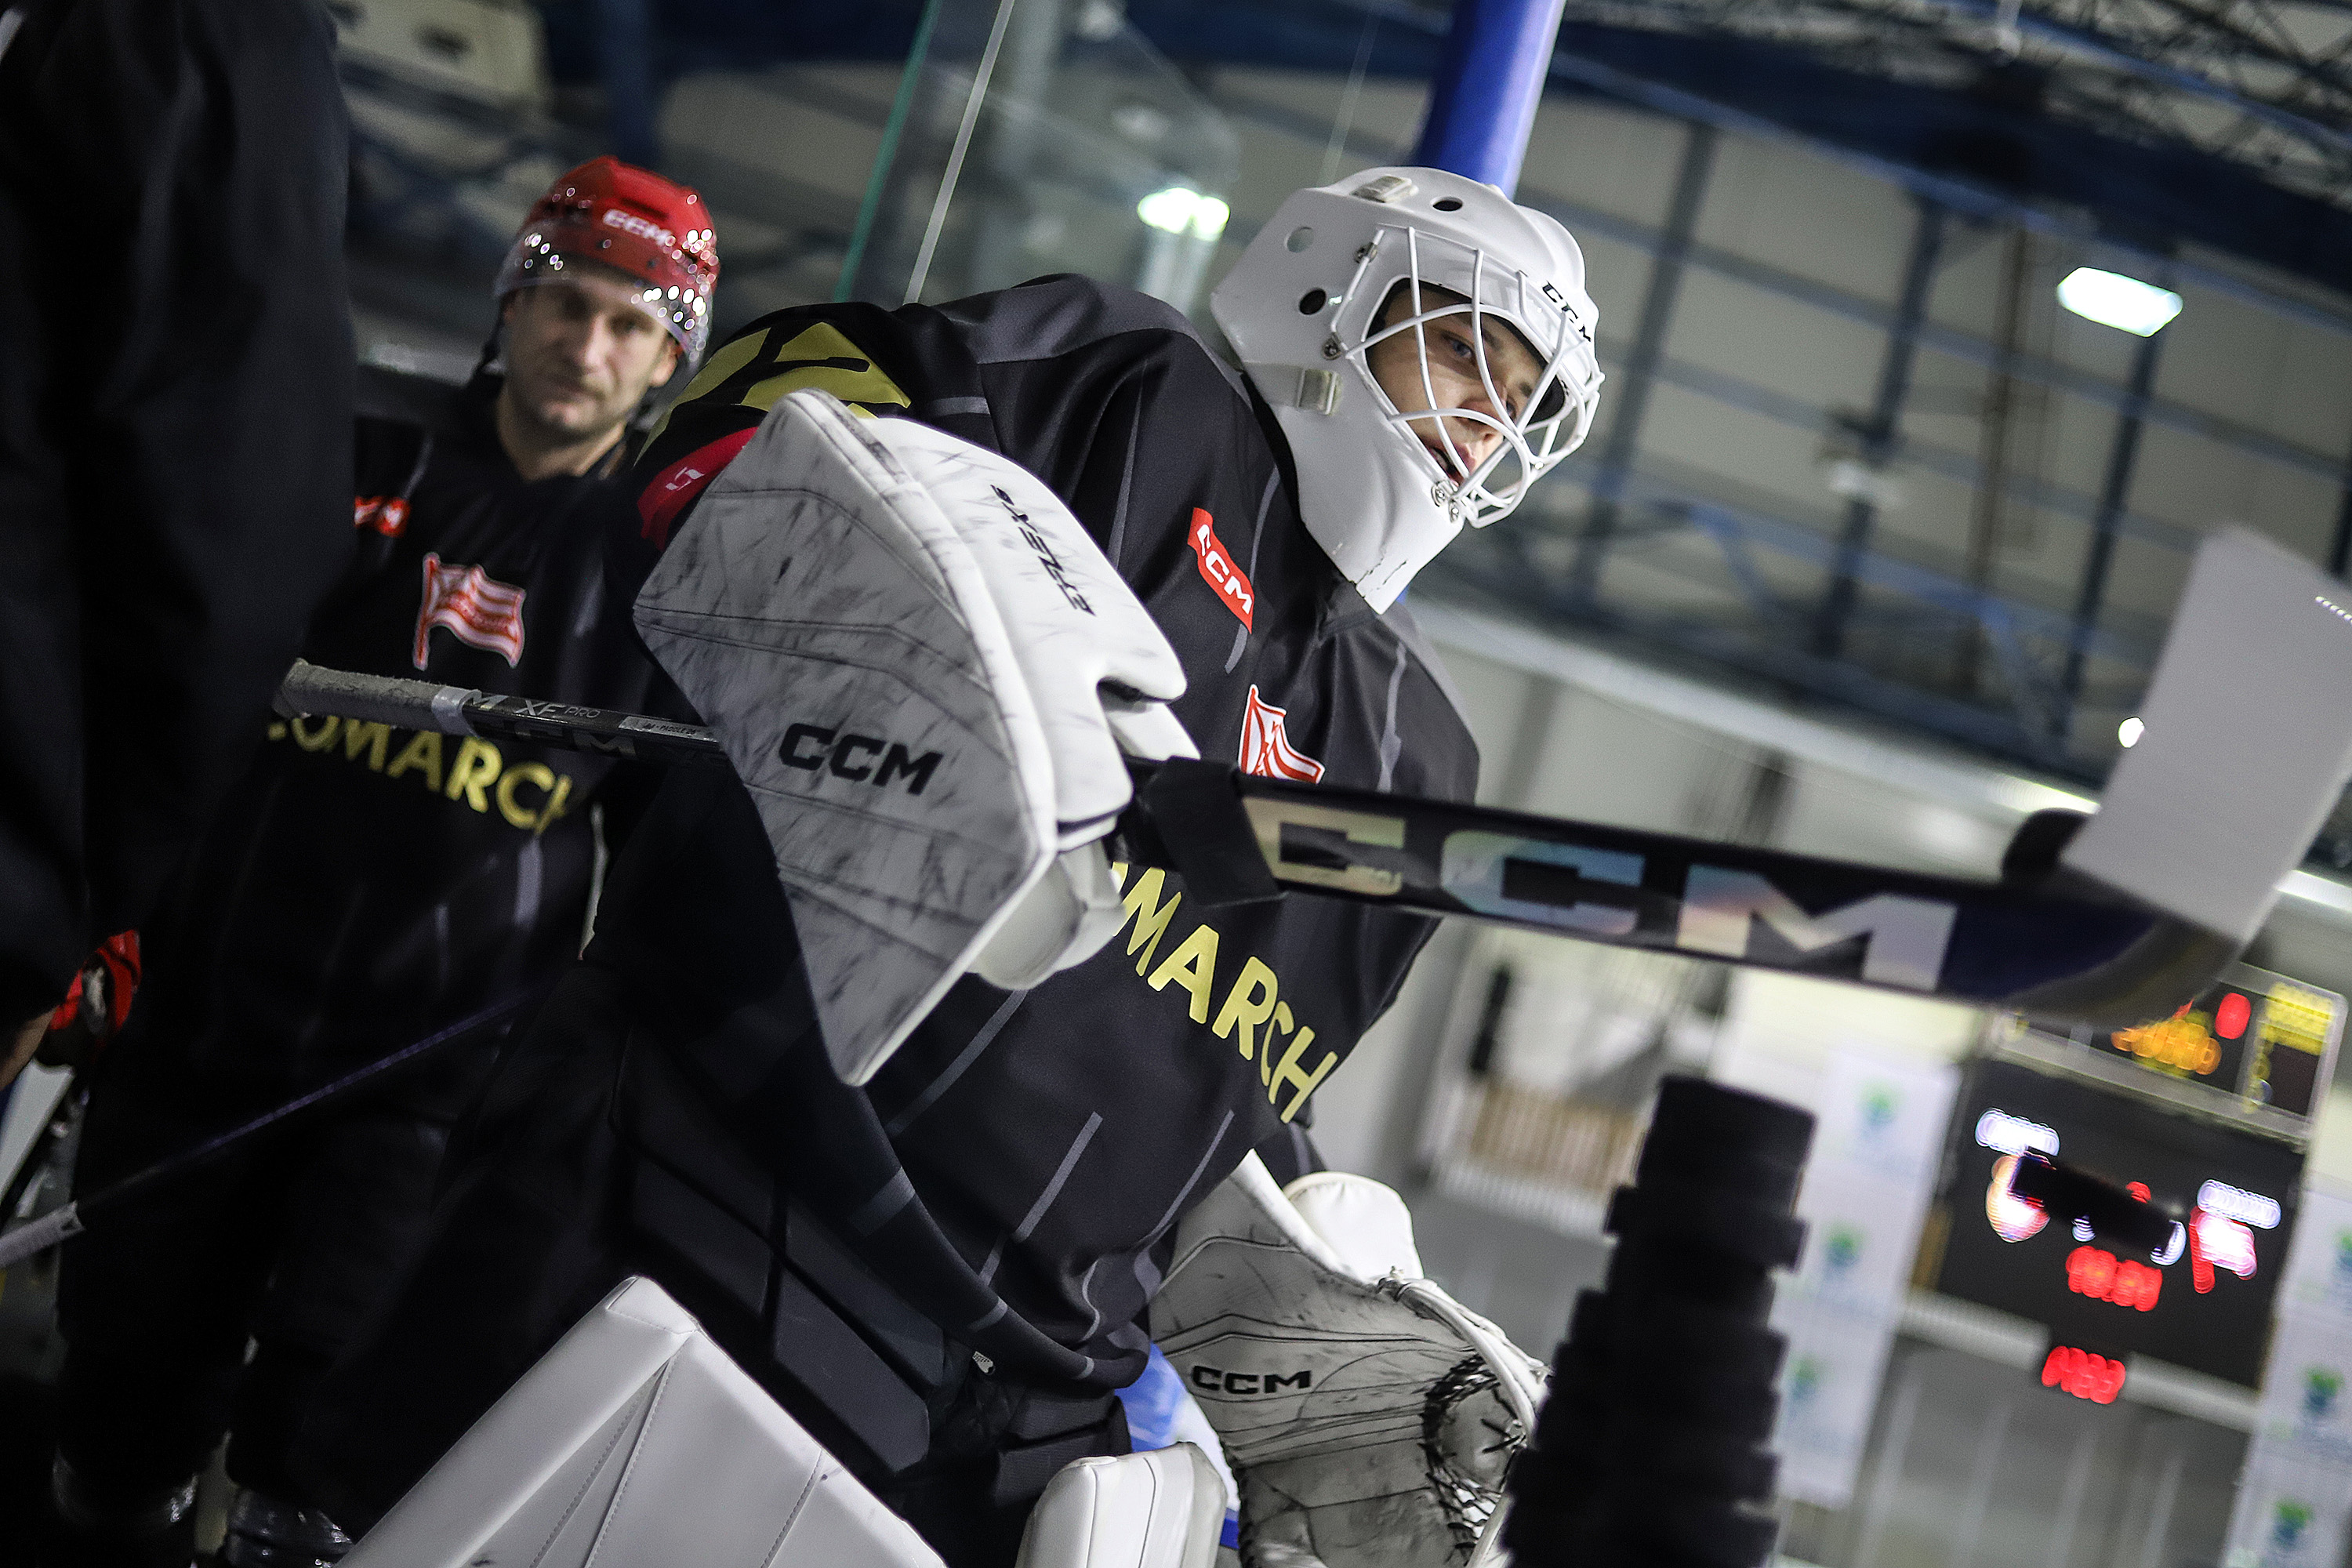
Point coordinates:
[[365, 886]]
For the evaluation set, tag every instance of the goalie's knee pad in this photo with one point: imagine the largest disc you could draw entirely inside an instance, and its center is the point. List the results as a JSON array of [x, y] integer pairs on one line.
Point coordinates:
[[1369, 1416], [636, 1440], [1165, 1509]]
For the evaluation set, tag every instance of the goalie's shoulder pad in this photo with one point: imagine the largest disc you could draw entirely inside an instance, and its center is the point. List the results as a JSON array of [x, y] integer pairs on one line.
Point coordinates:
[[857, 353]]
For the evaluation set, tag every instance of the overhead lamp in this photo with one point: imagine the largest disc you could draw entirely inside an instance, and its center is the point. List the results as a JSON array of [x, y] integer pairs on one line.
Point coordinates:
[[1179, 209], [2115, 301], [2129, 732]]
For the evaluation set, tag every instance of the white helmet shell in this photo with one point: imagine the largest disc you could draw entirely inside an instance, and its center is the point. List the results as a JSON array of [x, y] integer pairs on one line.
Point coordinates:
[[1302, 307]]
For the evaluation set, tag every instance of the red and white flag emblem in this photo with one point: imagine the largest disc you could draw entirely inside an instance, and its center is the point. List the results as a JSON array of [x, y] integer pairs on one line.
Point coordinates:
[[482, 612], [1267, 750]]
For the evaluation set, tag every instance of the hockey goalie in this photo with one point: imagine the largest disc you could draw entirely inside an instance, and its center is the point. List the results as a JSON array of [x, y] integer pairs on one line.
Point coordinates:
[[886, 1111]]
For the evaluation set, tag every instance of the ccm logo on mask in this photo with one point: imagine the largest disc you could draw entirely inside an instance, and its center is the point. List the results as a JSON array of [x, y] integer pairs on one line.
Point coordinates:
[[1213, 1380], [861, 759]]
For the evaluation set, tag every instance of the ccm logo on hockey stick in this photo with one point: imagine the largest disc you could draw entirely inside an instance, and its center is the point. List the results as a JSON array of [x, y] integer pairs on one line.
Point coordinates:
[[1213, 1380], [861, 759], [1723, 911]]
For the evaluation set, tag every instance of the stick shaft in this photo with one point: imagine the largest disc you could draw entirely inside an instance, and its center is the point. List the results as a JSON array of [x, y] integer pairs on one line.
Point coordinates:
[[461, 710], [72, 1219], [2062, 949]]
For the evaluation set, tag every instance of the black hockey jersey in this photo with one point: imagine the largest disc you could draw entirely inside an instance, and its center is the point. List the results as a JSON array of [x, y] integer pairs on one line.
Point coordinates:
[[364, 885], [1016, 1170]]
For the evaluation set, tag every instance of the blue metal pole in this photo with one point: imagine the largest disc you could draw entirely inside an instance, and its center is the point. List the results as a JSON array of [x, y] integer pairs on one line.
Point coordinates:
[[626, 42], [1482, 102]]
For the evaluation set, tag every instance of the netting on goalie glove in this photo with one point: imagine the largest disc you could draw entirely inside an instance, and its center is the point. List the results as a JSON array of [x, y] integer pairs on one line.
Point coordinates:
[[1468, 1435]]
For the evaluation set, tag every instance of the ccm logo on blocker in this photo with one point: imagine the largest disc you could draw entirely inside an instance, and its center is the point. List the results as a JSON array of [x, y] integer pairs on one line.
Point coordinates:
[[861, 759]]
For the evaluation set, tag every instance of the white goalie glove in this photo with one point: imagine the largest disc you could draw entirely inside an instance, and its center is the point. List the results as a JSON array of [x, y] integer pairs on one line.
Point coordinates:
[[1367, 1417], [926, 672]]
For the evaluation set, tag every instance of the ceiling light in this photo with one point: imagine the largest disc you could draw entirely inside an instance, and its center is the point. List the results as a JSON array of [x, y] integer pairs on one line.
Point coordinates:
[[2129, 732], [2115, 301], [1179, 208]]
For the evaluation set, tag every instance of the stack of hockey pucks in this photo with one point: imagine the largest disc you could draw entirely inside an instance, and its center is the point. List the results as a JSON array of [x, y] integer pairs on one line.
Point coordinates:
[[1652, 1448]]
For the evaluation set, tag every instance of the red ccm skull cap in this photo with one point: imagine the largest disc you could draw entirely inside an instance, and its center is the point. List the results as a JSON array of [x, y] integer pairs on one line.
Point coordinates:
[[632, 220]]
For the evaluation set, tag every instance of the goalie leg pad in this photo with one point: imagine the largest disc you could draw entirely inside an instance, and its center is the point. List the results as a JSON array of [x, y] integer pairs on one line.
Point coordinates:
[[636, 1440]]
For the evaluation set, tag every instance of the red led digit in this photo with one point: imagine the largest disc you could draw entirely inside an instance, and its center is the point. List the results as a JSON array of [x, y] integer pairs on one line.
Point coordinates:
[[2083, 1374], [2095, 1272], [2230, 1017]]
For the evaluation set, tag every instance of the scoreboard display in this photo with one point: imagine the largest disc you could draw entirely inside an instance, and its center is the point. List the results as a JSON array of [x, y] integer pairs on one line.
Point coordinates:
[[2201, 1301], [2258, 1043]]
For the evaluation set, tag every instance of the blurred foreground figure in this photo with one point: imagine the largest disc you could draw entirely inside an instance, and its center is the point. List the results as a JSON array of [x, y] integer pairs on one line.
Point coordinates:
[[364, 885], [175, 400], [849, 1069]]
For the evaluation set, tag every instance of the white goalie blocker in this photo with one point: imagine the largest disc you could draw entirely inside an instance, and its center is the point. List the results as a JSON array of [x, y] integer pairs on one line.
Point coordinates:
[[636, 1443], [1369, 1416], [926, 673]]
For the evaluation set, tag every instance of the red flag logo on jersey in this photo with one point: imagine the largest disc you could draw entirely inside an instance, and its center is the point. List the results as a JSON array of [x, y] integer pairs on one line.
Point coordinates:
[[1267, 750], [1218, 571], [482, 612]]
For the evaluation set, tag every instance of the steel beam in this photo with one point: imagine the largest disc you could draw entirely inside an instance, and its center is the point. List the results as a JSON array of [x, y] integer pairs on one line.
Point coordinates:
[[2123, 454], [1827, 298], [1879, 436], [2339, 551], [624, 37], [1641, 368]]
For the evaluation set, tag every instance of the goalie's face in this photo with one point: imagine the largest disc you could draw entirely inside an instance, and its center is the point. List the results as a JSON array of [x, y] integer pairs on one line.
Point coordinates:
[[1458, 378]]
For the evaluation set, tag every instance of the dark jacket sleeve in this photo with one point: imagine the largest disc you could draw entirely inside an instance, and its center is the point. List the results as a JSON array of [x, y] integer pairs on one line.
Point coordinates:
[[175, 445]]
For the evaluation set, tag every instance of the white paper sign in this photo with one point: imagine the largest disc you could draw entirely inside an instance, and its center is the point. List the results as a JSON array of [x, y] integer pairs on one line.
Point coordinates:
[[2319, 1278], [1829, 1387], [2294, 1503], [1873, 1171], [2289, 1515]]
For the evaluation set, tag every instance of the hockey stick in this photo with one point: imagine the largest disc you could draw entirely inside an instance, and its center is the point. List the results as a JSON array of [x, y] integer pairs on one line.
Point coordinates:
[[2109, 925], [310, 688], [74, 1217], [44, 1145], [2058, 947]]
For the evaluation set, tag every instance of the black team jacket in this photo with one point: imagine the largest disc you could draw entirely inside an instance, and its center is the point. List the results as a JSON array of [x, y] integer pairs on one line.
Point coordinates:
[[175, 427], [362, 885]]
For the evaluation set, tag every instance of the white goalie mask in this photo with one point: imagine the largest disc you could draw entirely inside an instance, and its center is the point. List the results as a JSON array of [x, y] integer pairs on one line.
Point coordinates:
[[1383, 489]]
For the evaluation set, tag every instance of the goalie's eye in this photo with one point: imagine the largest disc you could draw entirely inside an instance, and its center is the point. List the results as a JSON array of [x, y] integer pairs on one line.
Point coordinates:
[[1553, 399]]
